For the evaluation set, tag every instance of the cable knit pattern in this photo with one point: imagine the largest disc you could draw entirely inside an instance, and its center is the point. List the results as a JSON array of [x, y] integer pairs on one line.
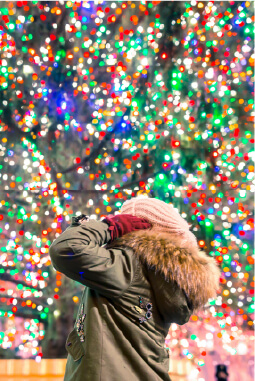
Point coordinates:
[[162, 216]]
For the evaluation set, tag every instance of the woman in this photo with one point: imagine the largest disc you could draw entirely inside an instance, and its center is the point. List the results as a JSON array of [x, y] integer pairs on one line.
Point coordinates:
[[142, 270]]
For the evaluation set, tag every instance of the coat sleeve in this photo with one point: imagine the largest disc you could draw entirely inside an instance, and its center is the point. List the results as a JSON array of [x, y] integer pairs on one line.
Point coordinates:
[[79, 254]]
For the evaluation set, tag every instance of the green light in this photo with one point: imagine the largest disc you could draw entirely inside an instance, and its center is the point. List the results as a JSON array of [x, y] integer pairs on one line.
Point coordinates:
[[251, 308], [167, 157], [150, 137], [208, 223], [43, 315], [161, 176], [193, 337], [226, 232], [102, 28], [11, 26], [245, 246]]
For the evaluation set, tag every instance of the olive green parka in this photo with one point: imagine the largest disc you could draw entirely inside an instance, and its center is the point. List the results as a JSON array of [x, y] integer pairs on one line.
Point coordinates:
[[135, 287]]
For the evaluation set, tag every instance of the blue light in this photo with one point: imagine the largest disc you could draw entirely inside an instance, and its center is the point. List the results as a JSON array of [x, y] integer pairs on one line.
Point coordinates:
[[186, 200], [123, 125], [194, 42], [210, 210]]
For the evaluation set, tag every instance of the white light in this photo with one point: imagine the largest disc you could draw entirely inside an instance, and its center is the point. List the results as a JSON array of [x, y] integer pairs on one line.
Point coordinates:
[[242, 349], [56, 313]]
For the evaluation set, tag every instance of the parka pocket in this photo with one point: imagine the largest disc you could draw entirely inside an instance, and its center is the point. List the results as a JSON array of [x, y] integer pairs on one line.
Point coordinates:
[[74, 346]]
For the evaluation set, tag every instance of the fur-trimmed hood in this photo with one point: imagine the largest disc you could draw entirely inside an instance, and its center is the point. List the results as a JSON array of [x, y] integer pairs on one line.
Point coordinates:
[[191, 269]]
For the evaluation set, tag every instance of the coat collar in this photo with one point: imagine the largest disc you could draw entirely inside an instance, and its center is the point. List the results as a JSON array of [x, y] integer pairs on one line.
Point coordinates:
[[192, 269]]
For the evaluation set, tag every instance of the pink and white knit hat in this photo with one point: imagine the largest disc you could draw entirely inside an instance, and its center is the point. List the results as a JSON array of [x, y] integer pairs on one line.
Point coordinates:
[[163, 217]]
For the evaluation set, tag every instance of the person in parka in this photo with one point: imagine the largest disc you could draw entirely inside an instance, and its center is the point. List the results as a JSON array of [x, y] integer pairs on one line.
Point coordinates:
[[142, 270]]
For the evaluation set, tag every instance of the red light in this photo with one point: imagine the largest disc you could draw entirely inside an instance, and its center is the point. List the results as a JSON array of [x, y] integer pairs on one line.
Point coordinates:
[[164, 56]]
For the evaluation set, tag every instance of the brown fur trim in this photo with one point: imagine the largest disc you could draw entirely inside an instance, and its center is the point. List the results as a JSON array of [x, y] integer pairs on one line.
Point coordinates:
[[193, 270]]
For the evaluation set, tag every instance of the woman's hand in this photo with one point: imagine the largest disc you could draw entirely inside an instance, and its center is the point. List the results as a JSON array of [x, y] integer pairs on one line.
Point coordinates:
[[125, 223]]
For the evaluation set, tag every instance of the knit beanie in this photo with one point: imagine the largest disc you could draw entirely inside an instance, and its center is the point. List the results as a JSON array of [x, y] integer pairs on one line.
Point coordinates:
[[163, 217]]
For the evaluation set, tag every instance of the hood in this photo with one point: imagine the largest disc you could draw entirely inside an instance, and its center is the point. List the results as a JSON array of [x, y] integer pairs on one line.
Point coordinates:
[[172, 267]]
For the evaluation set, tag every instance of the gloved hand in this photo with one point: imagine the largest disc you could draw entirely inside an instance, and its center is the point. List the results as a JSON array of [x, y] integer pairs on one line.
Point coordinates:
[[125, 223]]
